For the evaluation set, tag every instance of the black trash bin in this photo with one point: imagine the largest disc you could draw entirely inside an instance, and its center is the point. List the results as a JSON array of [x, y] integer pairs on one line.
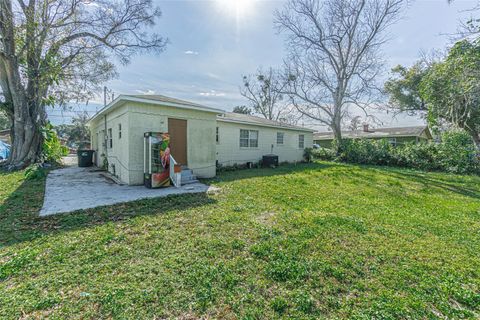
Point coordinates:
[[85, 158]]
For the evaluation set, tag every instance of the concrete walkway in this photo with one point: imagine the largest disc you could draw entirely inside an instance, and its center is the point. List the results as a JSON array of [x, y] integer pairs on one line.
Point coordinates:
[[73, 188]]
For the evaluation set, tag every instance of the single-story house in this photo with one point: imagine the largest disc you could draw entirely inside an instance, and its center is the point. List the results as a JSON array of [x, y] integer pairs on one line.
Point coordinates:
[[201, 137], [395, 136], [4, 150], [5, 136]]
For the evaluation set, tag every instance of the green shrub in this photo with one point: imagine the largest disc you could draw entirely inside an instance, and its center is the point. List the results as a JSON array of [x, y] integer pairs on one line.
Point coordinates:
[[423, 156], [34, 172], [52, 150], [323, 154], [308, 154], [455, 153], [366, 151]]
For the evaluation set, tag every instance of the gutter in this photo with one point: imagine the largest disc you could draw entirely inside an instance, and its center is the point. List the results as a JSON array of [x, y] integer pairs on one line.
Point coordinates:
[[265, 125]]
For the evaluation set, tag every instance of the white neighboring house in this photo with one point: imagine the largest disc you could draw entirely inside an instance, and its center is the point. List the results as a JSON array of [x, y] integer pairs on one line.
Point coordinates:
[[200, 137]]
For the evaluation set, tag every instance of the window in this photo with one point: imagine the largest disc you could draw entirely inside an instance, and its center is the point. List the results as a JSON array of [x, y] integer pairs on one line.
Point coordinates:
[[301, 141], [280, 137], [248, 138], [110, 138], [119, 131], [217, 136], [393, 141]]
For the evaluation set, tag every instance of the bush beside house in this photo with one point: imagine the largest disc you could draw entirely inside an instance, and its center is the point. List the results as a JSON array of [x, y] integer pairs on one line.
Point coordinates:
[[455, 153]]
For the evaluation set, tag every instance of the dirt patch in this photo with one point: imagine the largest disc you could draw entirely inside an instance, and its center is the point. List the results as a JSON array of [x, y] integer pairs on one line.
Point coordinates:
[[267, 218]]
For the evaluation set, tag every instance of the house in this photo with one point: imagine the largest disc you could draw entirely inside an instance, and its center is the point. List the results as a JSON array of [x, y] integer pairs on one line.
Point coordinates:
[[4, 150], [201, 137], [5, 136], [396, 136]]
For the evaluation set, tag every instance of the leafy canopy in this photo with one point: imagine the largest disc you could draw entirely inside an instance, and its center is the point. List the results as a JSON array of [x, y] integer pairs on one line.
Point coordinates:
[[403, 88], [452, 87]]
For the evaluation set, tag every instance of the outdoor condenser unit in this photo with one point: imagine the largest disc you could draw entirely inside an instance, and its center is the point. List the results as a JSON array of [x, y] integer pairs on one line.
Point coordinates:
[[156, 159]]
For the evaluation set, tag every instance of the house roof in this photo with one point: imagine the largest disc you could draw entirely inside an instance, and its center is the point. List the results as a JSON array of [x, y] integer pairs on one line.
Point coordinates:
[[377, 133], [253, 120], [154, 99], [173, 102]]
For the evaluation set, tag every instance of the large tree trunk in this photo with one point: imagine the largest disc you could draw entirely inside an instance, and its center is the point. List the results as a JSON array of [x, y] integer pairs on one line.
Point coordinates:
[[337, 127], [27, 111], [28, 117], [27, 139]]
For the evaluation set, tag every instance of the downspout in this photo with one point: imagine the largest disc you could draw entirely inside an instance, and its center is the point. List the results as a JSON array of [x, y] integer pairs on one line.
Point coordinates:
[[105, 138]]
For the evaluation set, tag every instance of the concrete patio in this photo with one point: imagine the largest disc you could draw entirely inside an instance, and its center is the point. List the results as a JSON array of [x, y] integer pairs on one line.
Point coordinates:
[[73, 188]]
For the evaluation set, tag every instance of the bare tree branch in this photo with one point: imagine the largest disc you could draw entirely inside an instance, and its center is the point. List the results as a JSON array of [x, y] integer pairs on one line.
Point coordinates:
[[334, 54]]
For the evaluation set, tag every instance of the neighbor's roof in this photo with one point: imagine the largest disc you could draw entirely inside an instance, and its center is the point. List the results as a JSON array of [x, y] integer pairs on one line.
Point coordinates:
[[253, 120], [154, 99], [377, 133]]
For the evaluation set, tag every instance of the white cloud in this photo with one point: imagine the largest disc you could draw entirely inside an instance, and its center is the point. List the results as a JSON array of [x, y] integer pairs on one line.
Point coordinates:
[[213, 75], [191, 52], [212, 93], [148, 91]]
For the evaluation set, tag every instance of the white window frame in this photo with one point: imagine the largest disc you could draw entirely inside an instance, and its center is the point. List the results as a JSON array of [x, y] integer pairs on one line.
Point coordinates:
[[301, 141], [281, 134], [217, 135], [119, 131], [392, 141], [250, 142]]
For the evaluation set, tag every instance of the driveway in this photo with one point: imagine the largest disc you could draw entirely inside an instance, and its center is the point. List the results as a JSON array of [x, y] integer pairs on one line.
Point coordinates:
[[73, 188]]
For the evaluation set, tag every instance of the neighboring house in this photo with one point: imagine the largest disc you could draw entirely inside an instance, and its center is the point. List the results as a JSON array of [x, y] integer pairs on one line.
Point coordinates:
[[4, 150], [200, 137], [5, 136], [395, 136]]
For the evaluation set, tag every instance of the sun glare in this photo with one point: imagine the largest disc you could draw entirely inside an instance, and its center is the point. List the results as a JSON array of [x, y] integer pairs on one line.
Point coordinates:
[[238, 8]]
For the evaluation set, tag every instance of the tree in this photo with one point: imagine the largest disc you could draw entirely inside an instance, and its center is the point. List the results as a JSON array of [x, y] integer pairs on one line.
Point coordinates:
[[355, 123], [53, 51], [77, 133], [404, 89], [451, 89], [265, 92], [242, 110], [334, 54]]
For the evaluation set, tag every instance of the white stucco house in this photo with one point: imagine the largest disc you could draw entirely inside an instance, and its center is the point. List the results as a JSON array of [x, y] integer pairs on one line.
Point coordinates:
[[201, 137]]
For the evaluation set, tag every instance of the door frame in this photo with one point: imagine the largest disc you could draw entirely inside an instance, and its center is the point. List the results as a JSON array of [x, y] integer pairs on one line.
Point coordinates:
[[187, 152]]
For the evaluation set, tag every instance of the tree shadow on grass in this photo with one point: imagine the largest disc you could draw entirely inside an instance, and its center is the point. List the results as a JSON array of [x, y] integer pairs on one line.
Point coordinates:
[[468, 186], [20, 220], [283, 169]]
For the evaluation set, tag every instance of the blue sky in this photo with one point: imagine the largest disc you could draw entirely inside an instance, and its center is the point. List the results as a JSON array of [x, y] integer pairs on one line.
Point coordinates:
[[212, 45]]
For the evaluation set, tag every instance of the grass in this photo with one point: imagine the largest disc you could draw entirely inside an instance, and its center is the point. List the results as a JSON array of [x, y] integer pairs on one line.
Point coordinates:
[[311, 241]]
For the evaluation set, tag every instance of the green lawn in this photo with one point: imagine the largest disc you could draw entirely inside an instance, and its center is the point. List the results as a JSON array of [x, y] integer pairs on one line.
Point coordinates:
[[319, 240]]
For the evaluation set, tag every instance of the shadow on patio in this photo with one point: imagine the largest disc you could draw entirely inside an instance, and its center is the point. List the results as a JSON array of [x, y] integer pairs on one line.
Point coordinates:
[[20, 220]]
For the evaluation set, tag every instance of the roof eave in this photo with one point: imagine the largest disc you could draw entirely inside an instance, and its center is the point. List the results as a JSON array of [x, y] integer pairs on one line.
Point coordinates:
[[264, 125], [123, 99], [378, 137]]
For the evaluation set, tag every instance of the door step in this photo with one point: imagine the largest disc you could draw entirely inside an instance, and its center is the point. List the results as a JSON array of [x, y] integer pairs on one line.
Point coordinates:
[[187, 176]]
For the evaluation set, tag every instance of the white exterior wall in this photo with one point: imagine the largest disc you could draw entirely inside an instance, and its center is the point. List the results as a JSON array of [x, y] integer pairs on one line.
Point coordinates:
[[138, 118], [200, 134], [229, 151], [118, 155]]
